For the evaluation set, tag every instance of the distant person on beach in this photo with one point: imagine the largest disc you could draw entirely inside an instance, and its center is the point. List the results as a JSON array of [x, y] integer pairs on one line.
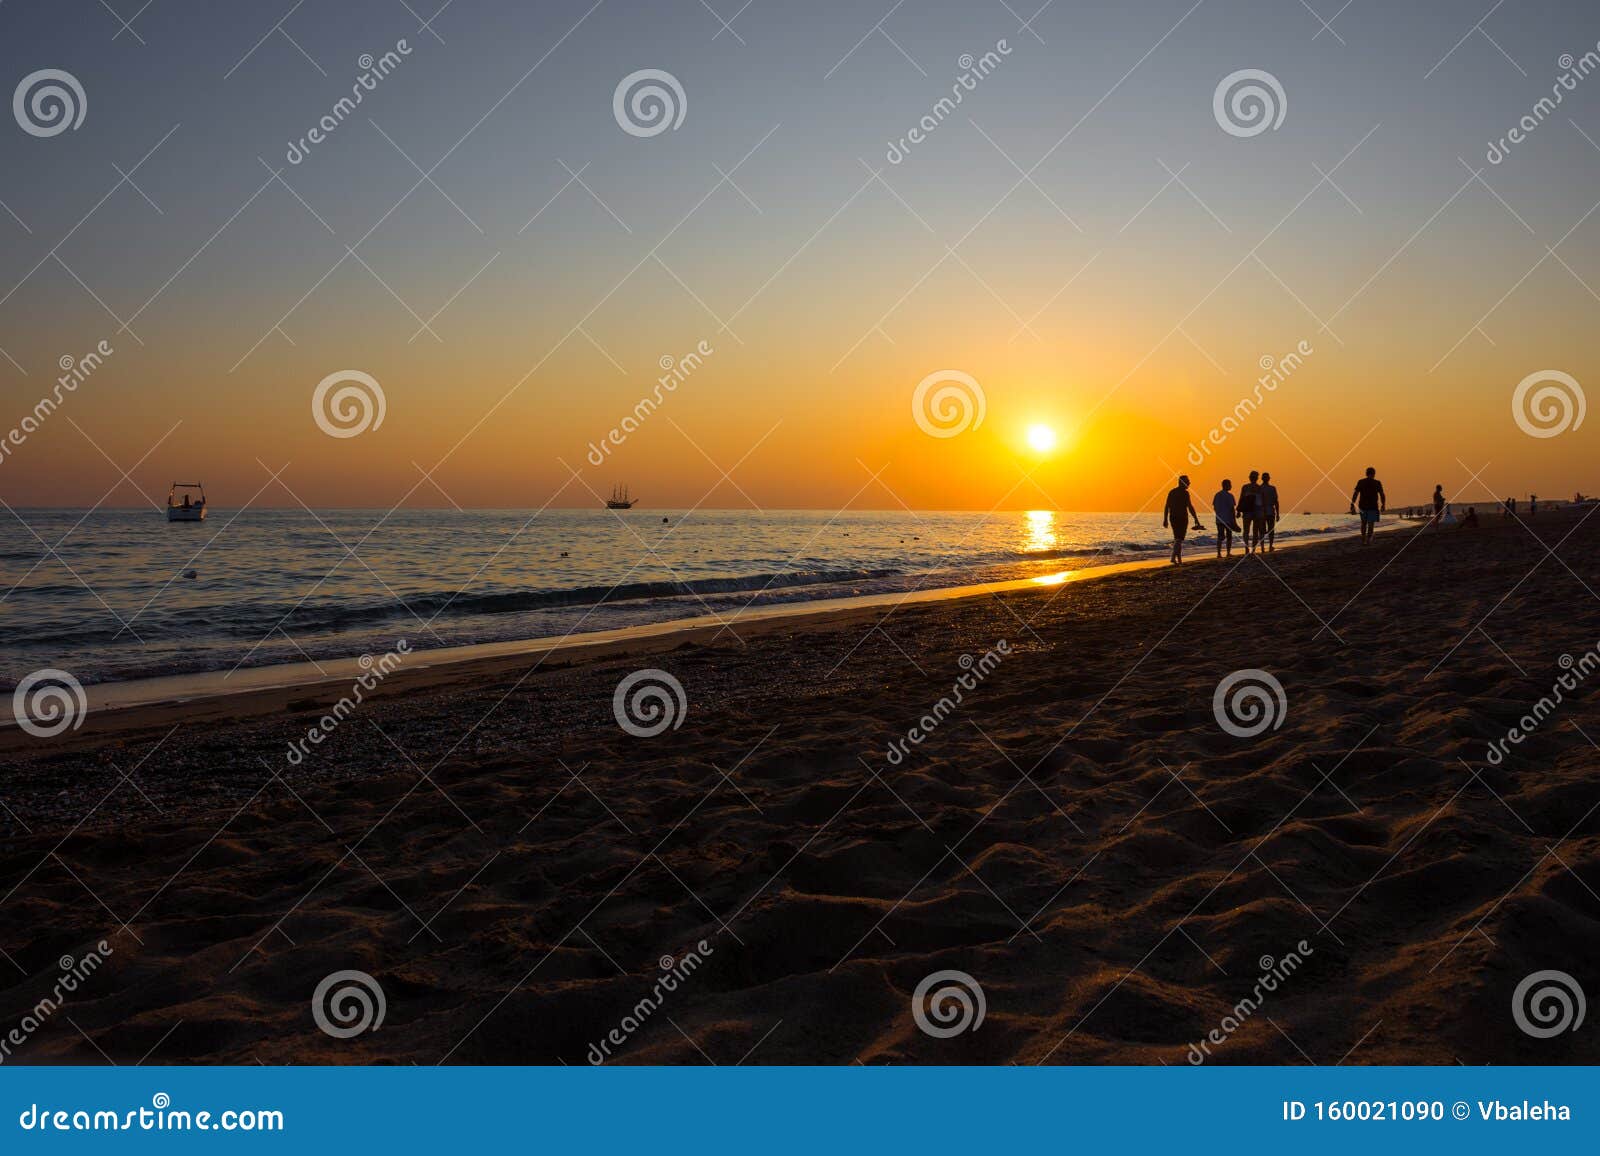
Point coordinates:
[[1438, 503], [1250, 511], [1470, 522], [1533, 505], [1222, 505], [1369, 498], [1269, 509], [1178, 511], [1511, 508]]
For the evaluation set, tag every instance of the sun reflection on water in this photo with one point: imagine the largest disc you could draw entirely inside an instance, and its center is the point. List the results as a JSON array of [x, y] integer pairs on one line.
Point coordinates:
[[1039, 531]]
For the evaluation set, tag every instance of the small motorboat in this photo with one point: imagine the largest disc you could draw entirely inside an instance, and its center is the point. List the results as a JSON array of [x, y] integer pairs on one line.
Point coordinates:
[[619, 499], [191, 508]]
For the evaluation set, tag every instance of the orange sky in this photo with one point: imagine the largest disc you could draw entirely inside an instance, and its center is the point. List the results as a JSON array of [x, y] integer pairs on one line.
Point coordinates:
[[1123, 294]]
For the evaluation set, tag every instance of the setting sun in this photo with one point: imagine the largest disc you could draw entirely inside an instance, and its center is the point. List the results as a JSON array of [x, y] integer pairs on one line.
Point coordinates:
[[1041, 438]]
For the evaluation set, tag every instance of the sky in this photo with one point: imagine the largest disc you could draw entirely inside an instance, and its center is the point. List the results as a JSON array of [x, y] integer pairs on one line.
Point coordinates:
[[1085, 242]]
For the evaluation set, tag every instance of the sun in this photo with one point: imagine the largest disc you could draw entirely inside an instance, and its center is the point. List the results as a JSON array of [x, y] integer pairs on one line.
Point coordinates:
[[1041, 438]]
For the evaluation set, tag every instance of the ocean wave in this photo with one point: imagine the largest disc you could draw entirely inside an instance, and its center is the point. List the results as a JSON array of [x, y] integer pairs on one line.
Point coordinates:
[[245, 605], [464, 605]]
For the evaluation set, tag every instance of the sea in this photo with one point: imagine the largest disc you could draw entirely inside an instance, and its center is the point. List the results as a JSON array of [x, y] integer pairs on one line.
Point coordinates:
[[116, 594]]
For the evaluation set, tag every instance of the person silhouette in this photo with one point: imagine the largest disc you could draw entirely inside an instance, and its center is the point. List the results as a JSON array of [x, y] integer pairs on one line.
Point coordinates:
[[1269, 509], [1250, 511], [1371, 500], [1438, 503], [1179, 509], [1222, 505]]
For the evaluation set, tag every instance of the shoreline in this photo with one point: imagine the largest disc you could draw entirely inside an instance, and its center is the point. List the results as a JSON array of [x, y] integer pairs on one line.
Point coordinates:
[[509, 862], [131, 704]]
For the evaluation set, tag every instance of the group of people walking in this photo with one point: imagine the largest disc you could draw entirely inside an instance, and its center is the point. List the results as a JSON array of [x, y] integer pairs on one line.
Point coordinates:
[[1252, 515]]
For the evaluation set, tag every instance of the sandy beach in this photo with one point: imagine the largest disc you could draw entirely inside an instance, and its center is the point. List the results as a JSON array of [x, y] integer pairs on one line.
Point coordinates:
[[1079, 835]]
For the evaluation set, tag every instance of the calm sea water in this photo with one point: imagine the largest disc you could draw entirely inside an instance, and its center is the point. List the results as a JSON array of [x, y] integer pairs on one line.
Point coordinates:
[[273, 586]]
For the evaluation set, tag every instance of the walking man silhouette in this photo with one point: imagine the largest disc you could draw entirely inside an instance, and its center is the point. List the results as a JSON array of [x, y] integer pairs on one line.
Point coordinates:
[[1269, 509], [1369, 498], [1250, 511], [1222, 505], [1179, 509]]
